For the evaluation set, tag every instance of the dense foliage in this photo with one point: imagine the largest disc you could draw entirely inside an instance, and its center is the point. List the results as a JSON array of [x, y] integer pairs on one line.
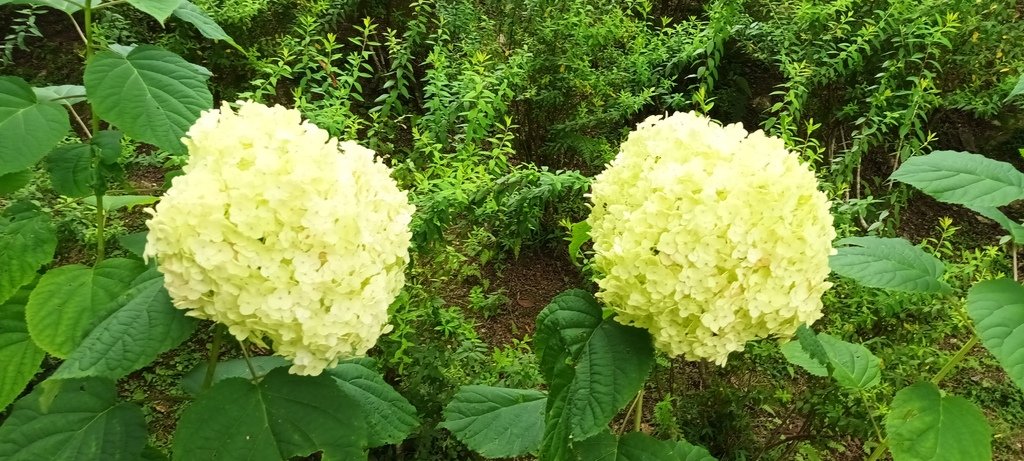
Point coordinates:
[[454, 215]]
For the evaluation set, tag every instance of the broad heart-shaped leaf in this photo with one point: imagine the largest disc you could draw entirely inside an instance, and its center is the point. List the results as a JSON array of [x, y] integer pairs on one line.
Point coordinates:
[[13, 182], [1015, 229], [70, 301], [891, 263], [234, 368], [388, 416], [924, 425], [497, 422], [853, 365], [27, 241], [593, 366], [61, 94], [158, 9], [144, 326], [71, 169], [29, 128], [963, 178], [151, 94], [281, 417], [79, 419], [192, 14], [20, 356], [637, 446], [997, 309]]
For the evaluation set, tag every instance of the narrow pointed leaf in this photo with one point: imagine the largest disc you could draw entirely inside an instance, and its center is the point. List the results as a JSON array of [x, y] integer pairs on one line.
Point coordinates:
[[151, 94], [388, 416], [282, 416], [997, 309], [891, 263], [924, 425], [79, 419], [70, 301], [36, 125], [963, 178], [27, 242], [144, 326], [497, 422], [20, 356]]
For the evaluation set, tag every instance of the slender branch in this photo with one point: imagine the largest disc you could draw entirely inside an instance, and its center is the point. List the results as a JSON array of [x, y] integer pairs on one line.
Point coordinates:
[[211, 361], [629, 410], [81, 123], [638, 416], [248, 362], [79, 30], [871, 415], [1016, 274]]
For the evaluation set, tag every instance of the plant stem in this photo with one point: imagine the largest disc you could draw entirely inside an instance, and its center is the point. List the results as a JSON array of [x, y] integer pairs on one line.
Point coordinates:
[[639, 411], [99, 186], [883, 447], [871, 415], [248, 362], [211, 361]]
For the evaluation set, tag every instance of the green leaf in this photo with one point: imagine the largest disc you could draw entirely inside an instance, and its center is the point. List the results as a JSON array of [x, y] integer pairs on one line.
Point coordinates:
[[280, 417], [151, 94], [135, 242], [13, 182], [497, 422], [924, 425], [79, 419], [158, 9], [388, 416], [37, 126], [151, 453], [1019, 89], [144, 326], [235, 368], [1015, 229], [27, 241], [116, 202], [797, 355], [108, 144], [71, 170], [891, 263], [579, 233], [637, 446], [997, 309], [853, 365], [963, 178], [20, 356], [70, 301], [63, 5], [192, 14], [593, 365], [61, 94]]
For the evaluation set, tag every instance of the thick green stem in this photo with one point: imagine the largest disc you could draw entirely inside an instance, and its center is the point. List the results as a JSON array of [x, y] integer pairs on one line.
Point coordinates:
[[211, 360], [883, 447], [99, 186]]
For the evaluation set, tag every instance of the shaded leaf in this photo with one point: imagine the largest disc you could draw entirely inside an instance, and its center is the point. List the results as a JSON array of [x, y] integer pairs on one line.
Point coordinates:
[[71, 170], [27, 242], [497, 422], [20, 356], [192, 14], [388, 416], [108, 144], [13, 182], [36, 125], [234, 368]]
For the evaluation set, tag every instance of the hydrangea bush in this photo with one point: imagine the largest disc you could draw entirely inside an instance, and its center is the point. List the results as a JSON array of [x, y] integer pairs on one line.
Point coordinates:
[[709, 236], [279, 231]]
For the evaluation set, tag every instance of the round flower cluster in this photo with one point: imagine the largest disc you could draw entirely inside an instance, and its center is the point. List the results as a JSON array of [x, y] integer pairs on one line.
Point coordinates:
[[278, 231], [709, 237]]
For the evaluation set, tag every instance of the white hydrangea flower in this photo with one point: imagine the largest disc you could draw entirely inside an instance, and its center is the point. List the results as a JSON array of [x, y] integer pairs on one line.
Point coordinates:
[[709, 236], [279, 231]]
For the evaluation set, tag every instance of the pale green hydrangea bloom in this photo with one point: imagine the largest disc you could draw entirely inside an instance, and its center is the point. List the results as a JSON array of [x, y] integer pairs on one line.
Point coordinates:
[[279, 231], [709, 236]]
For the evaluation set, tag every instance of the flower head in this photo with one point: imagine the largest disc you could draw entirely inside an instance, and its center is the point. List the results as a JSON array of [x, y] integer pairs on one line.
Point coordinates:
[[279, 231], [709, 236]]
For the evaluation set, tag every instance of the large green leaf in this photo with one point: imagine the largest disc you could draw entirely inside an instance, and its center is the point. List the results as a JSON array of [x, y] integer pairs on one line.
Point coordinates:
[[29, 127], [963, 178], [71, 169], [78, 419], [151, 94], [61, 94], [71, 301], [158, 9], [853, 365], [115, 202], [281, 417], [637, 446], [20, 356], [13, 182], [593, 366], [144, 326], [388, 416], [192, 14], [924, 425], [497, 422], [27, 241], [63, 5], [1015, 229], [234, 368], [997, 309], [891, 263]]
